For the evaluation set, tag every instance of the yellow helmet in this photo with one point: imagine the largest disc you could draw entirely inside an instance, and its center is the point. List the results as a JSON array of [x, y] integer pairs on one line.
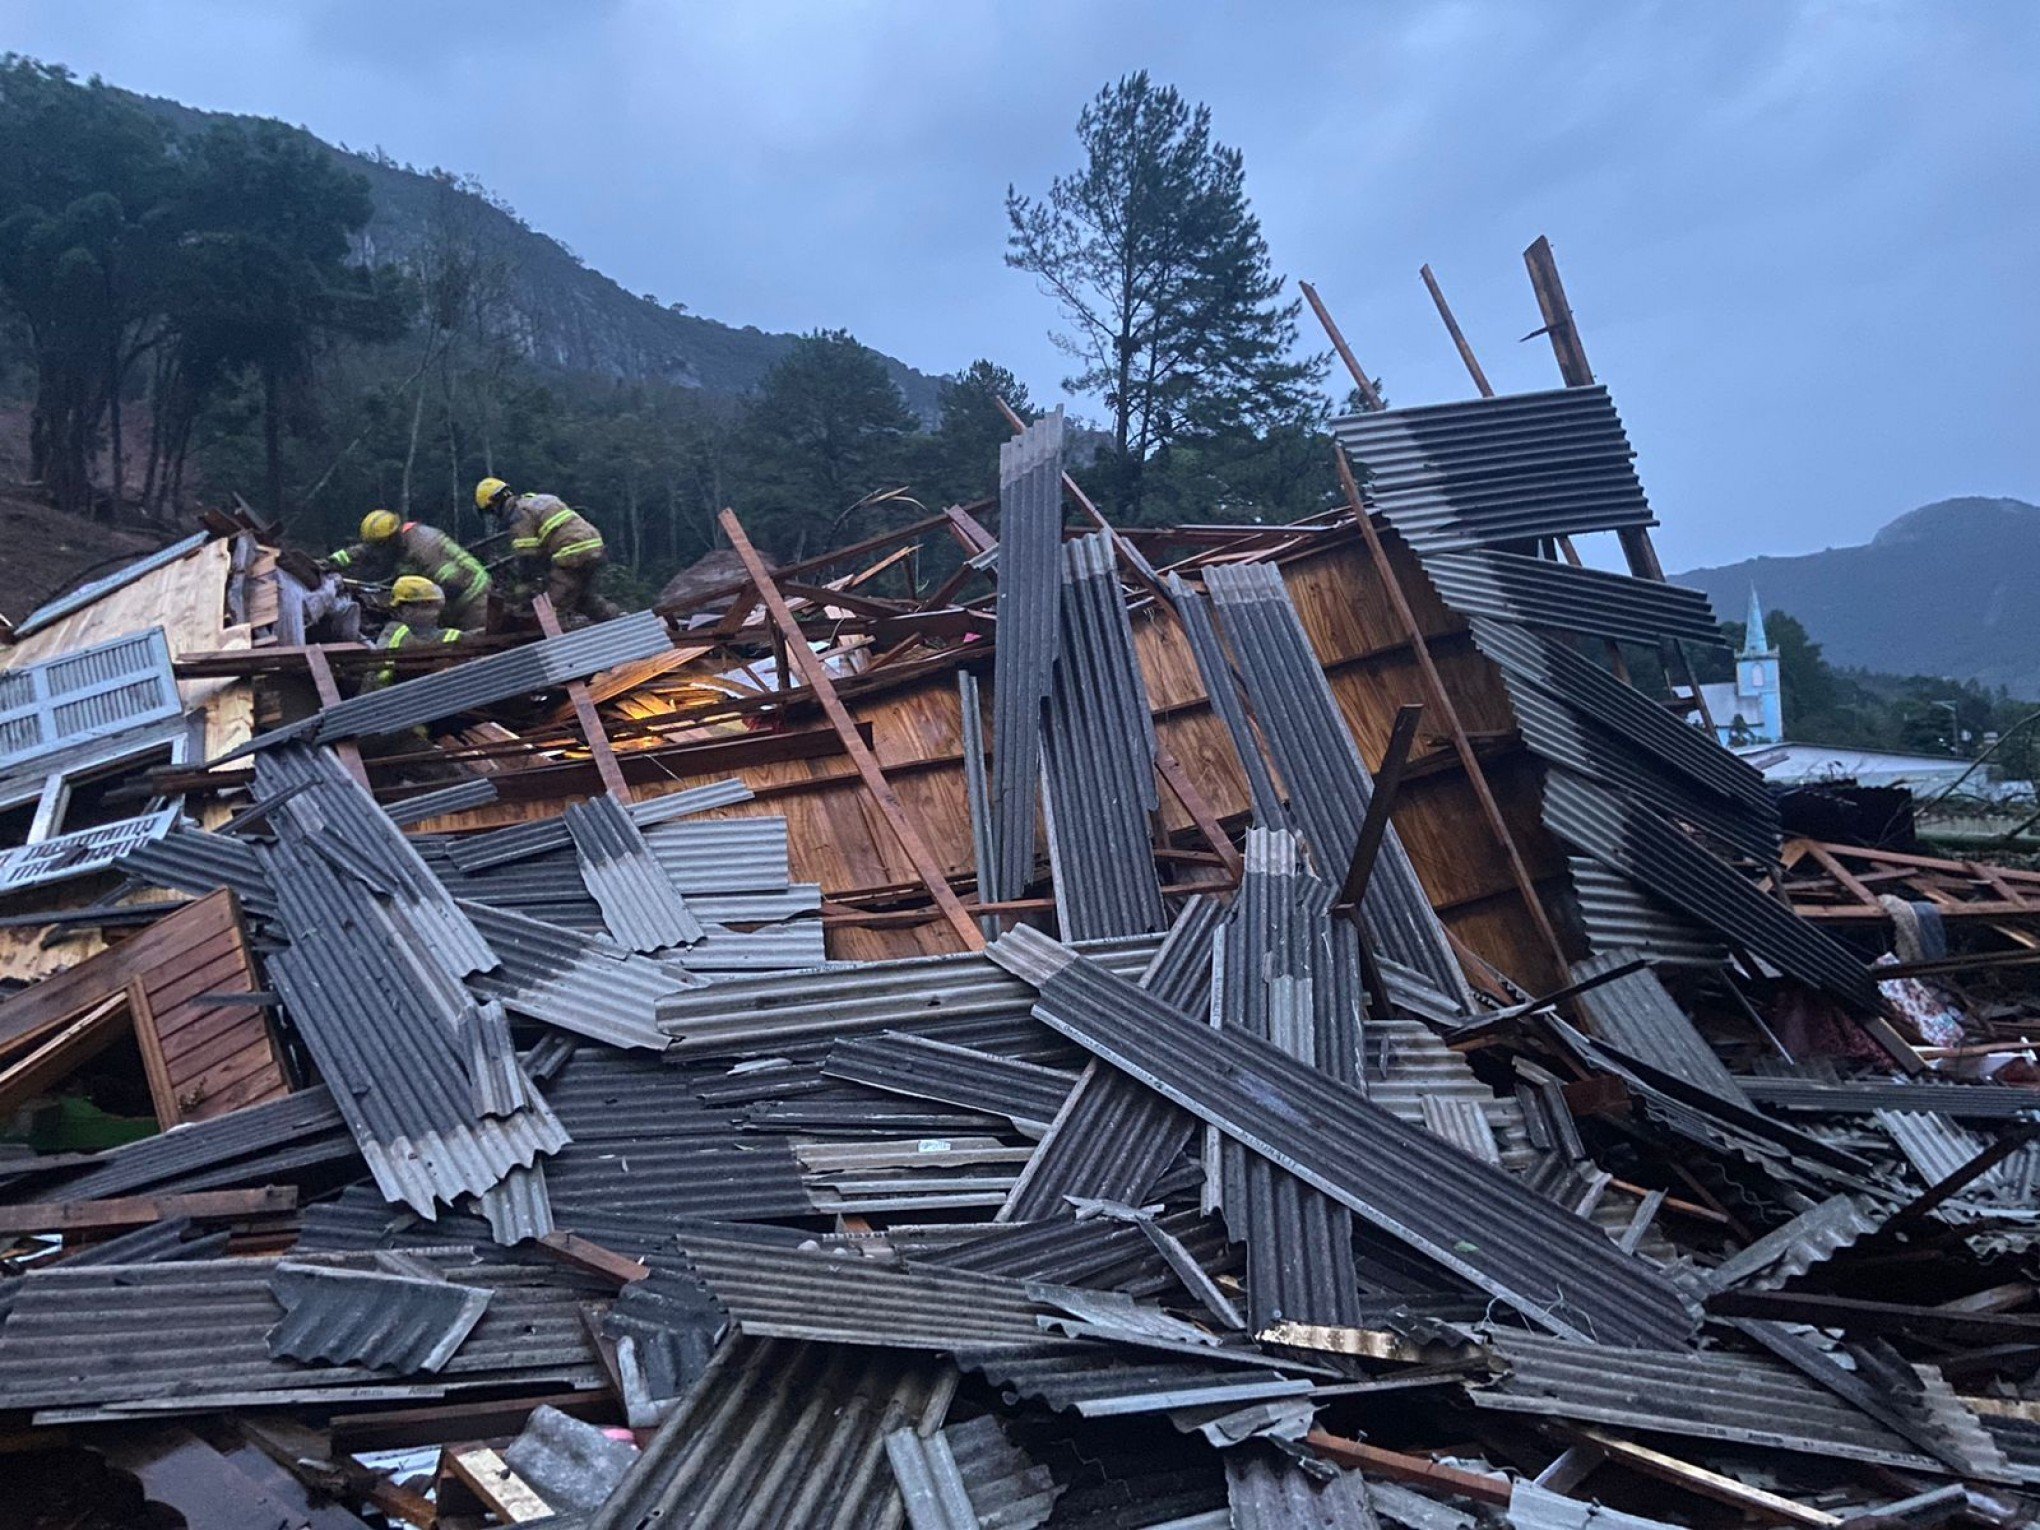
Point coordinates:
[[379, 525], [488, 491], [415, 590]]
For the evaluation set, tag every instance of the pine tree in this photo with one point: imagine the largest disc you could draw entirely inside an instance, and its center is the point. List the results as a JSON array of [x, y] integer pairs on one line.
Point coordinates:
[[970, 428], [1159, 267]]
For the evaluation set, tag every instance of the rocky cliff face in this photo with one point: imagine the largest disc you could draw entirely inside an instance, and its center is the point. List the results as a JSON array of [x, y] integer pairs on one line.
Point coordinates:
[[1946, 589], [561, 313]]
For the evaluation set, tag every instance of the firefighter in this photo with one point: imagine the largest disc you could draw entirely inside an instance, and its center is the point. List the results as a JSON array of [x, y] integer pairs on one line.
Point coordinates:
[[417, 611], [390, 547], [547, 535]]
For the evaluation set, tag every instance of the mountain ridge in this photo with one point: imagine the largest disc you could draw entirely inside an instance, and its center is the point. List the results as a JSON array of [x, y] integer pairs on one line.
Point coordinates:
[[1945, 589], [567, 316]]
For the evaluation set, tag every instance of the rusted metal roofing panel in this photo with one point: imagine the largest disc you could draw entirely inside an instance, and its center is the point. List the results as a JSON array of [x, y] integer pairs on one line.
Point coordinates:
[[1098, 759], [403, 1317], [933, 1070], [1023, 660], [1701, 1395], [969, 1477], [642, 909], [1506, 469], [1268, 1491], [1314, 753], [780, 1436], [1560, 1272], [189, 1338]]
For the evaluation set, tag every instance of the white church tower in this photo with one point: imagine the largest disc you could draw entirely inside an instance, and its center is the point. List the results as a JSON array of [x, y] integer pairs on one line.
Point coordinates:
[[1760, 700]]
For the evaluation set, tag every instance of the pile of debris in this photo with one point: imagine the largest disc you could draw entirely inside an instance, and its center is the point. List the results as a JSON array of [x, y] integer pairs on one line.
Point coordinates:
[[1232, 1025]]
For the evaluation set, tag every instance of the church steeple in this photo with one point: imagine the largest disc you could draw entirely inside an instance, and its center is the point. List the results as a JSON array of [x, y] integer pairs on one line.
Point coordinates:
[[1756, 642]]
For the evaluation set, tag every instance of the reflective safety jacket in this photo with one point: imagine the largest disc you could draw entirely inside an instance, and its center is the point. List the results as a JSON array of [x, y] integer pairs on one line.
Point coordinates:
[[543, 529], [406, 635], [424, 550]]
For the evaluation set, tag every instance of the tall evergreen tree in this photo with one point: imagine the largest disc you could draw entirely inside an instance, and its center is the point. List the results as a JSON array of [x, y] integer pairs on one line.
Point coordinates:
[[826, 430], [970, 428], [1161, 272]]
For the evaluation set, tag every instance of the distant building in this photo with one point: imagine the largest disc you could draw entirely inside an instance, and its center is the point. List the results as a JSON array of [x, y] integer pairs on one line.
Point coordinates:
[[1797, 764], [1750, 709]]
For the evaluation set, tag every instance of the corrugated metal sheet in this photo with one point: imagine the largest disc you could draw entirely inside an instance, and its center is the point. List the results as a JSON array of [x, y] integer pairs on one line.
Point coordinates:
[[481, 682], [92, 693], [86, 594], [403, 1317], [1110, 1141], [314, 802], [1276, 983], [1517, 588], [1180, 974], [781, 1437], [1936, 1147], [518, 1206], [1637, 1015], [1271, 1492], [642, 909], [1534, 1508], [237, 1147], [1023, 660], [843, 1299], [1320, 765], [1634, 843], [572, 1465], [189, 860], [977, 787], [156, 1243], [1222, 687], [1964, 1102], [1532, 659], [769, 1014], [1103, 1381], [969, 1477], [679, 1177], [1097, 1252], [82, 851], [1561, 1273], [457, 798], [1494, 470], [381, 1020], [522, 841], [1098, 759], [189, 1338], [585, 984], [933, 1070], [1699, 1395]]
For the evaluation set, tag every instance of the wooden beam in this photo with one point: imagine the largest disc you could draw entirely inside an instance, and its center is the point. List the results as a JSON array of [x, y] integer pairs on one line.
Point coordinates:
[[1769, 1507], [585, 713], [140, 1210], [1368, 391], [348, 750], [1387, 782], [812, 670], [1458, 336], [586, 1254], [1418, 1471]]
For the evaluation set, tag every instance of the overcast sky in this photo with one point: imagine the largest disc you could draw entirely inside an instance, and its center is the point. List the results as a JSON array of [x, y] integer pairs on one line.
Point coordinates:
[[1802, 236]]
